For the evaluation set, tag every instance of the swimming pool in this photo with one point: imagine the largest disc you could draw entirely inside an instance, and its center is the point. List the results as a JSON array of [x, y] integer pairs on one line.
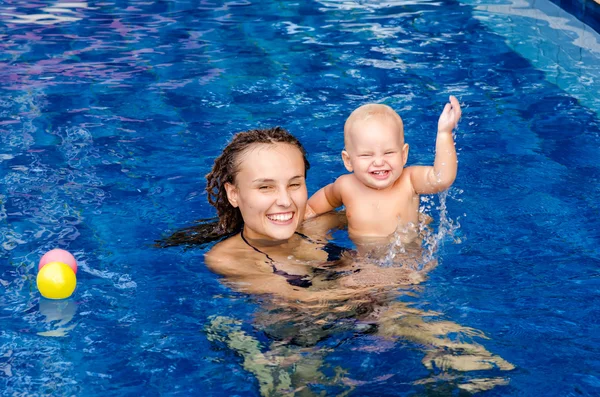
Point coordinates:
[[111, 113]]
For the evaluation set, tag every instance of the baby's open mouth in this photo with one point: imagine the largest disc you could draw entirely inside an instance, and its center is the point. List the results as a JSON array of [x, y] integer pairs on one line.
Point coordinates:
[[283, 217], [380, 174]]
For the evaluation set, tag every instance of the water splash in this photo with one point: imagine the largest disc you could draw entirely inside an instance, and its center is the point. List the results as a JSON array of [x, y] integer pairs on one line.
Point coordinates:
[[398, 245], [446, 229], [406, 246]]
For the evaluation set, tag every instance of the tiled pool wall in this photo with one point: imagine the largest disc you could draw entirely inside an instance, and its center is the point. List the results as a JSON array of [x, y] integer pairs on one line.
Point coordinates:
[[587, 11], [564, 47]]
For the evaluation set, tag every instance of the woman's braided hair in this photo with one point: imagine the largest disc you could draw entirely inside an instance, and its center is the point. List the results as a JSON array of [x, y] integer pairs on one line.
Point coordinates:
[[224, 170]]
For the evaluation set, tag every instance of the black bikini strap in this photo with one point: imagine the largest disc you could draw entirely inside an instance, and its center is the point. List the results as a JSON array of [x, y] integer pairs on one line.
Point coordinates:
[[293, 279], [256, 249], [334, 251]]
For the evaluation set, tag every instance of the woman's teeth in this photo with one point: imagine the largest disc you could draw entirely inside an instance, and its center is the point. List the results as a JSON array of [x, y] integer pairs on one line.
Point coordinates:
[[281, 217]]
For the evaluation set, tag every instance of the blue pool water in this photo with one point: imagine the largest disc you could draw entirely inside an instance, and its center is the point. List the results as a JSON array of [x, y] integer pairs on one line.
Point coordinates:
[[112, 112]]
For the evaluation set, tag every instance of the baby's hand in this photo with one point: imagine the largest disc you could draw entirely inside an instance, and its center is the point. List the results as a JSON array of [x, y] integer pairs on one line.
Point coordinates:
[[450, 116]]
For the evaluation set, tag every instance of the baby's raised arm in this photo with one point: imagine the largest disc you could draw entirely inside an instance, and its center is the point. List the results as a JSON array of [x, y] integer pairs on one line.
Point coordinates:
[[429, 180], [324, 200]]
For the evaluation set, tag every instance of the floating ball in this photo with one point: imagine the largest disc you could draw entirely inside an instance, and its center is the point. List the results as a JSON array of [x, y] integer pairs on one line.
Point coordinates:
[[59, 255], [56, 280]]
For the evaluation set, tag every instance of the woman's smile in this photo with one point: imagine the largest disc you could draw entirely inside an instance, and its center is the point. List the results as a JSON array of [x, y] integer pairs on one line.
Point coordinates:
[[282, 218]]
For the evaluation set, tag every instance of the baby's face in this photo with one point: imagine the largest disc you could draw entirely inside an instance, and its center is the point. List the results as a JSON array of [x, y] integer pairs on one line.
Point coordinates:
[[376, 152]]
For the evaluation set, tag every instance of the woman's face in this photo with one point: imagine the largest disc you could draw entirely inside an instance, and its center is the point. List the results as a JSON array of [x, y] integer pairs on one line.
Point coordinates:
[[270, 191]]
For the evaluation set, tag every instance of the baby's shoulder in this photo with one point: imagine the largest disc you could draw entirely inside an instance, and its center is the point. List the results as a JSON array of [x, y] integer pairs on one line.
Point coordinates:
[[345, 184], [346, 180], [406, 176], [404, 181], [409, 170]]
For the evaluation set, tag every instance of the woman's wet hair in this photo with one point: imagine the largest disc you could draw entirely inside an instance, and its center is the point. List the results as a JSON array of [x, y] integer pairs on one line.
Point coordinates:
[[225, 169]]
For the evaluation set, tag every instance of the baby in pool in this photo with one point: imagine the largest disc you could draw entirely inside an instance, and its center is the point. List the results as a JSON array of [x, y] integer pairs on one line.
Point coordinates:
[[379, 193]]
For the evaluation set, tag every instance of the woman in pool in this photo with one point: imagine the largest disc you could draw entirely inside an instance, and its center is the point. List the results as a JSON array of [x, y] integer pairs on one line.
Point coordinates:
[[258, 188]]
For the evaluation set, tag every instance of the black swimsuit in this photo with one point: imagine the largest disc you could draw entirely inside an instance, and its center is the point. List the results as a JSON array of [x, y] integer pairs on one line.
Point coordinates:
[[334, 253]]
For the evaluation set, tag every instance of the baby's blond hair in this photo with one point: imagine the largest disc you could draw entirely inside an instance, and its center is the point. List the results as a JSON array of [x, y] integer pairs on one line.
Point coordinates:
[[371, 110]]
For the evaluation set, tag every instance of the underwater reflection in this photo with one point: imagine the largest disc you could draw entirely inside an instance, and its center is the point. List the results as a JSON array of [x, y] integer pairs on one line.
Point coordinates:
[[58, 316], [368, 299], [294, 359]]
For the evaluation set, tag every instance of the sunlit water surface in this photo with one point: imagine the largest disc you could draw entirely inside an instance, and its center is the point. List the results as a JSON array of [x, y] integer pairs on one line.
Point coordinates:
[[111, 113]]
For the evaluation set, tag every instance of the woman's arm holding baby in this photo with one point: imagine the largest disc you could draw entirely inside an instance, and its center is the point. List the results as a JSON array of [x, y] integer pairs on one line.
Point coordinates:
[[428, 180]]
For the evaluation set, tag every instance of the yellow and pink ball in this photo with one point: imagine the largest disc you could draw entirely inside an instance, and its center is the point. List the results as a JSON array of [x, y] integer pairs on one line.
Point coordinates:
[[56, 277]]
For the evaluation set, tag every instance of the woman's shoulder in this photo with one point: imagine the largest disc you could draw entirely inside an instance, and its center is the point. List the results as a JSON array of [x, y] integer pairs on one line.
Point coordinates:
[[222, 254], [233, 258], [227, 246]]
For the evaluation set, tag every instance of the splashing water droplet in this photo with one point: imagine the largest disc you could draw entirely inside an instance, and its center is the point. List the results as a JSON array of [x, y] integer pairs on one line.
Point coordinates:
[[415, 246]]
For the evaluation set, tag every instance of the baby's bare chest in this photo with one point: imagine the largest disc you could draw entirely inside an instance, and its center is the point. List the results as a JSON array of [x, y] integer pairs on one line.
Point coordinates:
[[374, 211]]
